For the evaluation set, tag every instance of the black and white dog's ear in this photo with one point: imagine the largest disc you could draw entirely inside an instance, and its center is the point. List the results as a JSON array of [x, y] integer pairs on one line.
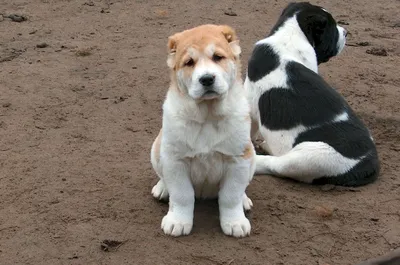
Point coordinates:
[[324, 36], [318, 23], [313, 26]]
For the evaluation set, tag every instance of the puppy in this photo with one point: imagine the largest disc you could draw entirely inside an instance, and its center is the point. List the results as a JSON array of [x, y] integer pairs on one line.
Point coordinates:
[[310, 133], [204, 149]]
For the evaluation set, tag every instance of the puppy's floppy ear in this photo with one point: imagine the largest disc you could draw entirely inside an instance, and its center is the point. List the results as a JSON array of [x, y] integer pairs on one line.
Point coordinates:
[[235, 48], [229, 33], [172, 44], [231, 37]]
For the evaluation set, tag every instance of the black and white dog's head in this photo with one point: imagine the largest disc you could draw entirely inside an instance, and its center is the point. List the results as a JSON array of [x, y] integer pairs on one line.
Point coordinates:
[[320, 28]]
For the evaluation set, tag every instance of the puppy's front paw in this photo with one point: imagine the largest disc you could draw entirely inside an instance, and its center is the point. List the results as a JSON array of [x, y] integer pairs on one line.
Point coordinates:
[[175, 226], [236, 228], [159, 191]]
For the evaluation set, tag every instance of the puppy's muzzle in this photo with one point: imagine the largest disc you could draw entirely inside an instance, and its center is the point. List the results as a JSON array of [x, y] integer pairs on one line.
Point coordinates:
[[207, 81]]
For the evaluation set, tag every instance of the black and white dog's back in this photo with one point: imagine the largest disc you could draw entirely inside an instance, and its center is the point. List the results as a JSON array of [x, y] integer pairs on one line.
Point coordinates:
[[309, 131]]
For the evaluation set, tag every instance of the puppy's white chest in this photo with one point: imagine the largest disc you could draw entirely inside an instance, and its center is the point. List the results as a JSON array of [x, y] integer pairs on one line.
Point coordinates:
[[203, 139], [211, 148], [213, 138], [206, 173]]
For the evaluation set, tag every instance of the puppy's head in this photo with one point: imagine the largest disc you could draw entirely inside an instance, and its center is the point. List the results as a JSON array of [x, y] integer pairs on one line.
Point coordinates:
[[204, 61], [320, 28]]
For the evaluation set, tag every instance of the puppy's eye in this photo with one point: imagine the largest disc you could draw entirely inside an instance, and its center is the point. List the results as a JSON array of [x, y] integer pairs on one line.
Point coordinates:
[[189, 62], [217, 58]]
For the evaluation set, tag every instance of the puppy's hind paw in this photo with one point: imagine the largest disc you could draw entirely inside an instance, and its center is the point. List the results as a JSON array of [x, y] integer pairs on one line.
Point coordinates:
[[160, 192], [247, 203]]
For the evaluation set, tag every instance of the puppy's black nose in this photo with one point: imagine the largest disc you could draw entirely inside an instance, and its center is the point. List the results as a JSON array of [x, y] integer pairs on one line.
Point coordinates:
[[207, 79]]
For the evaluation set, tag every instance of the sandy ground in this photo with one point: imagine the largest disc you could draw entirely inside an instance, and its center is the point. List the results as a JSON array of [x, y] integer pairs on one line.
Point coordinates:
[[77, 119]]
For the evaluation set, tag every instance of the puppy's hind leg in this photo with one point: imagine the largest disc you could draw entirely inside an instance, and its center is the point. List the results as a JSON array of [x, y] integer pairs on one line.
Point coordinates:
[[306, 162], [159, 191], [247, 203]]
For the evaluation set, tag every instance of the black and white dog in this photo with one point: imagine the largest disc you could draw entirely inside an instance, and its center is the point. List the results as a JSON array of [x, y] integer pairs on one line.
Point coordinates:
[[310, 132]]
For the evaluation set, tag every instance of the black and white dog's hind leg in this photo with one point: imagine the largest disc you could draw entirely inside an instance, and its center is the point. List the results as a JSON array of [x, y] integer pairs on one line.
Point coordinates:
[[319, 163]]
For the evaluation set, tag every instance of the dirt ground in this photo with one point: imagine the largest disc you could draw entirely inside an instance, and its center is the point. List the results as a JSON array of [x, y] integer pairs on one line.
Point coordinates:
[[78, 116]]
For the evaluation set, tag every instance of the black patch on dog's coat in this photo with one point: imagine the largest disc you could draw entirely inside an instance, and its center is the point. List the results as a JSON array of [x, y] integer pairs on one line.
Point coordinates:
[[262, 61], [352, 140], [308, 100], [349, 138], [317, 25]]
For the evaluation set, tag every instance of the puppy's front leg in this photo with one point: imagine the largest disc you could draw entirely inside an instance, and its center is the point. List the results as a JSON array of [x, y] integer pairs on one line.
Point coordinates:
[[179, 220], [232, 218]]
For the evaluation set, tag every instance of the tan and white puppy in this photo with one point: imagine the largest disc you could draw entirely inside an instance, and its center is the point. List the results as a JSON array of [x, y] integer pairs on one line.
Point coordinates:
[[204, 148]]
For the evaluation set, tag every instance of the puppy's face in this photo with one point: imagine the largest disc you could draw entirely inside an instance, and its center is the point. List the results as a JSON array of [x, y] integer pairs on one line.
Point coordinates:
[[320, 28], [204, 61]]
